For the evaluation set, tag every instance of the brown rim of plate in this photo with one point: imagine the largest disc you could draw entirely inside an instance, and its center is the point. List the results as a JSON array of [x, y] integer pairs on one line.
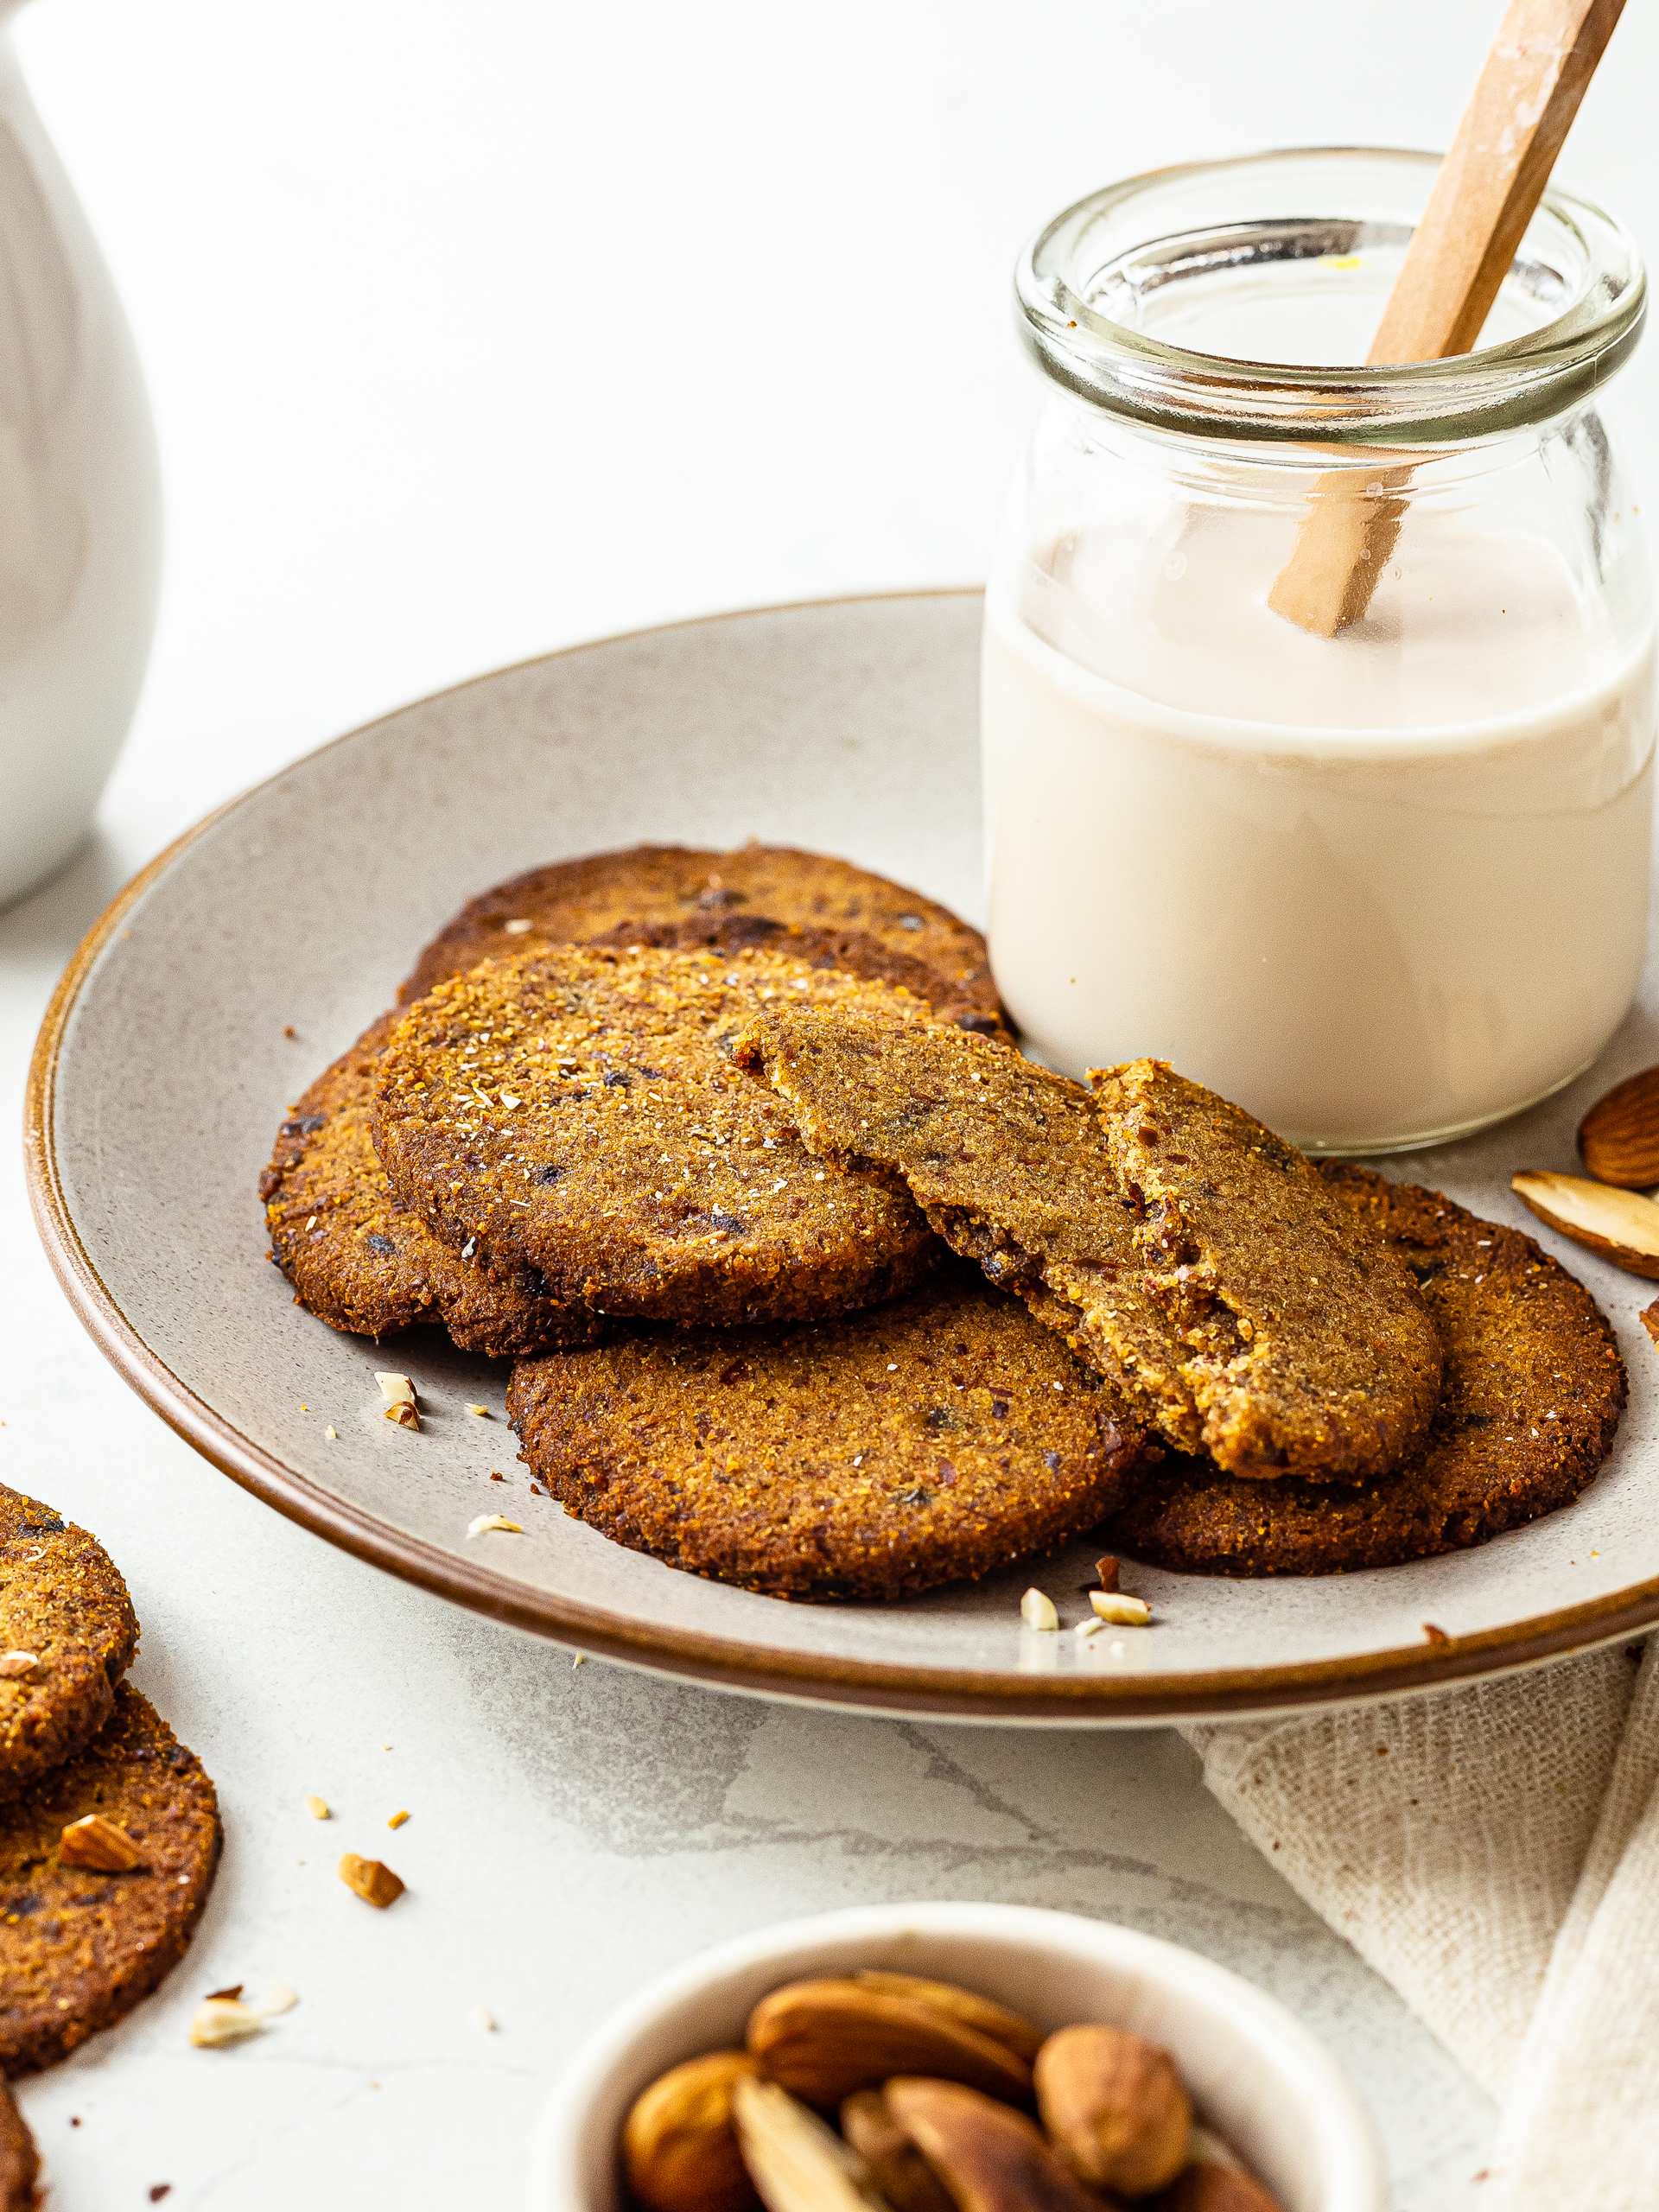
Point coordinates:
[[731, 1662]]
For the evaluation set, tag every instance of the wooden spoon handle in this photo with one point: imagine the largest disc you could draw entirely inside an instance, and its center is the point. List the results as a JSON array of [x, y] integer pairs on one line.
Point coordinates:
[[1489, 184], [1486, 193]]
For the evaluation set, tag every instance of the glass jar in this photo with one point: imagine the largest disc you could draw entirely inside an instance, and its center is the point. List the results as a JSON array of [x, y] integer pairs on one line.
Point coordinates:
[[1381, 886]]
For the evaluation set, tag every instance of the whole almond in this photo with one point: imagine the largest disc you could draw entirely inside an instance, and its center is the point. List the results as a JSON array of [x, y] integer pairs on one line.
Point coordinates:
[[990, 2157], [1016, 2033], [1116, 2108], [897, 2167], [1202, 2186], [1619, 1138], [679, 2148], [1619, 1224], [824, 2040]]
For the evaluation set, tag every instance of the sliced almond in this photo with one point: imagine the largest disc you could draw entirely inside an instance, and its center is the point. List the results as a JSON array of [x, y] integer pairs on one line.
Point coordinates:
[[14, 1664], [486, 1522], [1619, 1138], [1118, 1607], [97, 1843], [796, 2162], [1037, 1611], [1619, 1224], [220, 2020]]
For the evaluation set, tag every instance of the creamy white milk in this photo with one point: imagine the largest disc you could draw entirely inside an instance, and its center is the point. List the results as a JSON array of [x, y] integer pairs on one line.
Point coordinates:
[[1376, 888]]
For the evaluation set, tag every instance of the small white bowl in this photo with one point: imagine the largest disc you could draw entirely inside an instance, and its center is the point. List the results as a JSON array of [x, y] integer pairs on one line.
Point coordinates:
[[1257, 2075]]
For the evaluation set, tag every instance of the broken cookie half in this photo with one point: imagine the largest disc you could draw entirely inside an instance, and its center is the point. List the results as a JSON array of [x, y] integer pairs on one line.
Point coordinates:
[[1179, 1247]]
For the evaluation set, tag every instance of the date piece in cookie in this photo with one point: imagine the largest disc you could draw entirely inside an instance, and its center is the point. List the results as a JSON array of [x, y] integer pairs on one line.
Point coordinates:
[[886, 932], [68, 1635], [576, 1111], [868, 1457], [79, 1946], [1532, 1392], [1309, 1349], [1014, 1167], [359, 1259]]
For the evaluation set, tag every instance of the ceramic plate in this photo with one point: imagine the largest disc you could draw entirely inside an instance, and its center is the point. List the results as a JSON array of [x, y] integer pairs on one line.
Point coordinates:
[[163, 1068]]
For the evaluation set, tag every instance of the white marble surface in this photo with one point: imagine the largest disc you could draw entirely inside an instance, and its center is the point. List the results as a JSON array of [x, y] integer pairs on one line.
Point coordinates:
[[470, 335]]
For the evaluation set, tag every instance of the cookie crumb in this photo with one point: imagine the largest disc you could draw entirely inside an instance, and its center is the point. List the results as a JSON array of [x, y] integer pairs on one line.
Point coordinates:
[[317, 1807], [372, 1880]]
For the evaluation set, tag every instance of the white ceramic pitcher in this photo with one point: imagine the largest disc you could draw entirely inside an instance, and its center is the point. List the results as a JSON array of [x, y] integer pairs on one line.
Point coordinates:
[[79, 504]]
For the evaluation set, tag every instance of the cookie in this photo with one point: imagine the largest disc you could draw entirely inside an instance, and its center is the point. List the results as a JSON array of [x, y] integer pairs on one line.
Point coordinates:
[[869, 1456], [576, 1111], [358, 1259], [575, 902], [1308, 1349], [855, 953], [1014, 1167], [79, 1949], [20, 2163], [1533, 1391], [64, 1606]]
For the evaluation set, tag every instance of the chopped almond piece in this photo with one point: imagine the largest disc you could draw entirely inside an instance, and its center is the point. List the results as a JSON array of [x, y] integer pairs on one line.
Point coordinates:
[[99, 1844]]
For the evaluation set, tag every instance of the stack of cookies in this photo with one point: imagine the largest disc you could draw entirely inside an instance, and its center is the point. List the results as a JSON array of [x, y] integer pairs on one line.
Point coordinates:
[[818, 1286], [109, 1828]]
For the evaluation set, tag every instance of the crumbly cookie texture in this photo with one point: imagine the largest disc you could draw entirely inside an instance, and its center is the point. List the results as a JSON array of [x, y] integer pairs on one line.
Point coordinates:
[[873, 1456], [887, 932], [1014, 1167], [80, 1947], [20, 2163], [68, 1635], [1308, 1349], [1533, 1391], [577, 1111], [359, 1259]]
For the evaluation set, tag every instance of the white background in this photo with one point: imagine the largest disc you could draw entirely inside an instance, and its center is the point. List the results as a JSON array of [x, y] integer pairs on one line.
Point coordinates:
[[473, 331]]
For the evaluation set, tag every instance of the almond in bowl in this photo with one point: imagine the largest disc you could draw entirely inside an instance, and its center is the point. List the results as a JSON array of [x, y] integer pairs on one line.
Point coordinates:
[[929, 2057]]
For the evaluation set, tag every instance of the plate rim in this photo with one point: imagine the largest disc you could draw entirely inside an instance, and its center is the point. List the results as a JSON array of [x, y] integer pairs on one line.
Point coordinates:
[[725, 1661]]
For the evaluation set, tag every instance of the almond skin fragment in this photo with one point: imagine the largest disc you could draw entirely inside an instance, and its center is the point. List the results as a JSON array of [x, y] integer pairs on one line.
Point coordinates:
[[825, 2040], [1016, 2033], [1114, 2107], [990, 2158], [1619, 1224], [906, 2180], [97, 1843], [1619, 1138], [371, 1878], [679, 2146]]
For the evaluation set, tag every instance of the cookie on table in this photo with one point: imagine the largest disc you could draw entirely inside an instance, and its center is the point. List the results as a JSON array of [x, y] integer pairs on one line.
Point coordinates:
[[576, 901], [358, 1259], [874, 1456], [1533, 1391], [79, 1948], [1309, 1348], [1014, 1167], [20, 2163], [65, 1609], [576, 1111]]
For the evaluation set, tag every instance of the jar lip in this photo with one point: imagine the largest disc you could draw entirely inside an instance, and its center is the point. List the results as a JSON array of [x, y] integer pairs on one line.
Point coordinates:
[[1126, 372]]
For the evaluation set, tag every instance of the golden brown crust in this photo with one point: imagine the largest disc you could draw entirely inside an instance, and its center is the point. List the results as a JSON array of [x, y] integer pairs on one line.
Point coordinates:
[[576, 1111], [78, 1948], [1308, 1350], [61, 1599], [578, 901], [359, 1258], [20, 2163], [1014, 1167], [1533, 1391], [870, 1457]]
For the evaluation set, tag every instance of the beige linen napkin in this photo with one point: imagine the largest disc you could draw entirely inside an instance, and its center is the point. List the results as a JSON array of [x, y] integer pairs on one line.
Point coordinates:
[[1494, 1853]]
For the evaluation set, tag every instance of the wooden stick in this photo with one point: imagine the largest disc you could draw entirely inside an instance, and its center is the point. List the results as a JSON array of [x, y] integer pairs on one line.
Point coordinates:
[[1486, 193]]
